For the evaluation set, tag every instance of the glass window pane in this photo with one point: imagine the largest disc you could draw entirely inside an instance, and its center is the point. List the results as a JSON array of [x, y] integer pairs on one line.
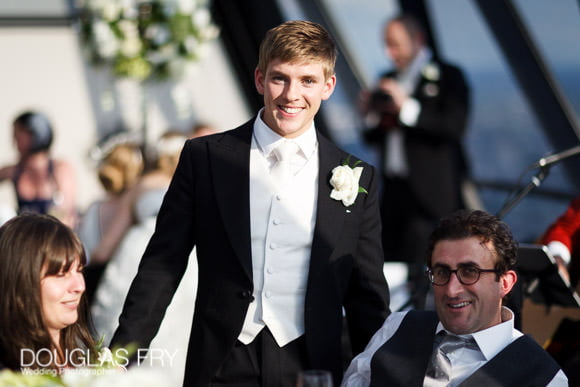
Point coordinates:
[[555, 27], [504, 136], [360, 31]]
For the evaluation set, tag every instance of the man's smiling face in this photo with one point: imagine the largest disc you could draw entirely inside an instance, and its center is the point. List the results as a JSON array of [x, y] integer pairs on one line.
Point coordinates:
[[293, 93], [471, 308]]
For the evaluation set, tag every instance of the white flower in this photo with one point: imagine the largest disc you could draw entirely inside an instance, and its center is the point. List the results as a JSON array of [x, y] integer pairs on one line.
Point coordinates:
[[185, 6], [111, 11], [129, 28], [201, 17], [130, 47], [106, 42], [345, 180], [431, 72], [158, 33]]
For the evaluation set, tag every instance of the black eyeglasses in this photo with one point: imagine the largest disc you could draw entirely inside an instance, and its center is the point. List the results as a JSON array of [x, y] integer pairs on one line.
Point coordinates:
[[467, 274]]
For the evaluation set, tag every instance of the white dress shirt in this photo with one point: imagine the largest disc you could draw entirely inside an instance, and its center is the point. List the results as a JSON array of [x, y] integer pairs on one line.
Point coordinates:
[[464, 362], [396, 159], [282, 228]]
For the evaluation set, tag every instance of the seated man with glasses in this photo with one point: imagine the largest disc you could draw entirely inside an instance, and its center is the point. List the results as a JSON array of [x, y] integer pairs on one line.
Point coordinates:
[[470, 340]]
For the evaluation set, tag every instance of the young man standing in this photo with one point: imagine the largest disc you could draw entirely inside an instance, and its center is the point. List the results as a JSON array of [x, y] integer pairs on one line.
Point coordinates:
[[284, 239]]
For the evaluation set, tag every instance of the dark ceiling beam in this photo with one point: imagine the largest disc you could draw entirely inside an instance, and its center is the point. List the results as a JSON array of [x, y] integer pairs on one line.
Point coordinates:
[[418, 8], [243, 25]]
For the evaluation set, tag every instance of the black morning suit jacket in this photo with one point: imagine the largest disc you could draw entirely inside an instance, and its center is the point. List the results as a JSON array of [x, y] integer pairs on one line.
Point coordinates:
[[433, 146], [207, 205]]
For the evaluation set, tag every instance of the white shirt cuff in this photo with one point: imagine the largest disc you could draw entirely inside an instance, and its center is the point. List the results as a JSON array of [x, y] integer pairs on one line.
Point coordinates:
[[409, 113], [559, 249]]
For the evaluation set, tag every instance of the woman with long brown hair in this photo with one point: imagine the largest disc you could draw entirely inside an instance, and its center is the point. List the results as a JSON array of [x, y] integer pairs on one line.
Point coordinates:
[[44, 321]]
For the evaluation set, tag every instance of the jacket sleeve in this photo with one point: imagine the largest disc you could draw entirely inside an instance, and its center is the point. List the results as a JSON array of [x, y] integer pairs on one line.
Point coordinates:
[[164, 261], [566, 228], [367, 298]]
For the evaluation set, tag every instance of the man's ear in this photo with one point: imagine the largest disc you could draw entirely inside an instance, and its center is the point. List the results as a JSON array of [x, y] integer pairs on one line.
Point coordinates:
[[329, 87], [259, 81], [507, 281]]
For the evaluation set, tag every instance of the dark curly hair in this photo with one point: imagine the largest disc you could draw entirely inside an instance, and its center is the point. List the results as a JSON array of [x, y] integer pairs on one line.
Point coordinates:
[[476, 223]]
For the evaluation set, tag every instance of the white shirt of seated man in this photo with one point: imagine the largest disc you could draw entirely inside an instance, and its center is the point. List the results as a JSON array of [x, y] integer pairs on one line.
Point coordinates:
[[465, 308]]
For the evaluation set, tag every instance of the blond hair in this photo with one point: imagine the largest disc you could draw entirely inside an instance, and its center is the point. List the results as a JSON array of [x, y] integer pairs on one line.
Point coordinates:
[[168, 150], [298, 41], [121, 168]]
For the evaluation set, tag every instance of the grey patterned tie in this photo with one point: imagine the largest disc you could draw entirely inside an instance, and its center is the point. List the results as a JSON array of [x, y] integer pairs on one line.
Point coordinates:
[[439, 369], [282, 170]]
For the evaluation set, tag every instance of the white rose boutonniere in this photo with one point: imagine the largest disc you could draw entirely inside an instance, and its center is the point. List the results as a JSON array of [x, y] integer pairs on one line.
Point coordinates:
[[345, 180], [431, 72]]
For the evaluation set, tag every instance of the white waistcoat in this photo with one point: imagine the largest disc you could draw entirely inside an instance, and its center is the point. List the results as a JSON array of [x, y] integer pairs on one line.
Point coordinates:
[[282, 227]]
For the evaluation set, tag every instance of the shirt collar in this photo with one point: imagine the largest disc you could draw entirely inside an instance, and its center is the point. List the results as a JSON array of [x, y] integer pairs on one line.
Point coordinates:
[[267, 139], [491, 340]]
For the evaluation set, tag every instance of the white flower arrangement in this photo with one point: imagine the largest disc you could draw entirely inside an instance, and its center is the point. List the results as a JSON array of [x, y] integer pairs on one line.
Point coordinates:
[[345, 181], [145, 39]]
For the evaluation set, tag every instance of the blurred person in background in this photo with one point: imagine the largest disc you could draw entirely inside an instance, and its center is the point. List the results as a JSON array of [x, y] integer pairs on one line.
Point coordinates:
[[144, 198], [416, 116], [140, 208], [202, 129], [563, 240], [41, 184], [120, 167], [126, 238]]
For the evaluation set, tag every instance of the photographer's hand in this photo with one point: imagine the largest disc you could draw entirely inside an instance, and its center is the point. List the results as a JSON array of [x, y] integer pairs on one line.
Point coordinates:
[[391, 87]]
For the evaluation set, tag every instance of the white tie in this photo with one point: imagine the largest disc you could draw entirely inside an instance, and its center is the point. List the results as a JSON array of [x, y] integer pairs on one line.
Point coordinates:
[[281, 172]]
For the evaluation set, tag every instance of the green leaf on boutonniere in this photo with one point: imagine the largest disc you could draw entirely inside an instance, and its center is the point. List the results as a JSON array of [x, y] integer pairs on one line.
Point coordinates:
[[362, 190], [347, 162]]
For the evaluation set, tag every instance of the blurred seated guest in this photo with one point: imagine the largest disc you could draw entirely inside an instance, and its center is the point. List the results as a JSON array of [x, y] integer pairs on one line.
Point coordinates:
[[144, 198], [119, 169], [42, 184], [202, 129], [563, 240], [470, 340], [43, 309], [145, 201]]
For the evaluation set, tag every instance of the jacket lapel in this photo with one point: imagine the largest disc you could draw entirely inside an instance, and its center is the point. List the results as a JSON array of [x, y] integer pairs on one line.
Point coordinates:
[[330, 213], [230, 166]]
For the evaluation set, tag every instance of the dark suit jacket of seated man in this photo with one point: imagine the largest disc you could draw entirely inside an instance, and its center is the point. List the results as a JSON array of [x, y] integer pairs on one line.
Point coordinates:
[[472, 256], [277, 261]]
